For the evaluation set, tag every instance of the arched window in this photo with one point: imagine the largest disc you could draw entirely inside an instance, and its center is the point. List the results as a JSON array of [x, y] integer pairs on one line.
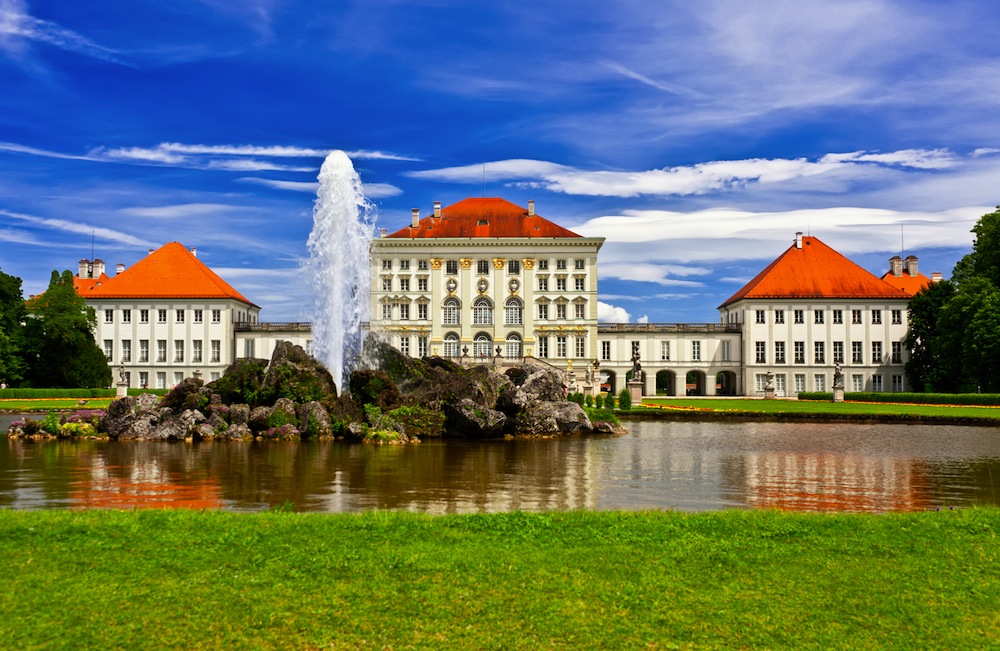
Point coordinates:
[[513, 312], [452, 312], [451, 345], [513, 350], [482, 312], [482, 345]]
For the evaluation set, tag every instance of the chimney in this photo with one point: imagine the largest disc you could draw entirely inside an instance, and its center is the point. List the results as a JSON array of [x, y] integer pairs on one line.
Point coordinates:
[[414, 217], [194, 251], [437, 208], [84, 268], [151, 250], [382, 232], [896, 266], [531, 207], [119, 268], [911, 265], [98, 268], [798, 240], [936, 276]]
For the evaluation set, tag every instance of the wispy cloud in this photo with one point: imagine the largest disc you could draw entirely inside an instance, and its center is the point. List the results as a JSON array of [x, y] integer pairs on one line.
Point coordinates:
[[79, 228], [172, 152], [183, 210], [17, 26], [34, 151], [371, 190], [659, 85]]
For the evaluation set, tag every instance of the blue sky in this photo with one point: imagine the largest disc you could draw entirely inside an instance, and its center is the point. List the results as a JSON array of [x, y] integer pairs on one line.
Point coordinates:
[[697, 137]]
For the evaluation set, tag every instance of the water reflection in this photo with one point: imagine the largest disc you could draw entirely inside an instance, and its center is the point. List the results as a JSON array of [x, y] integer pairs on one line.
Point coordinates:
[[684, 466]]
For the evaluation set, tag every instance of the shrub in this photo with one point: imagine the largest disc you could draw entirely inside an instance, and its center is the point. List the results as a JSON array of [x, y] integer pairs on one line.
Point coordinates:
[[77, 430], [625, 400], [609, 401], [51, 423], [599, 401], [381, 436], [601, 416], [415, 421], [588, 401]]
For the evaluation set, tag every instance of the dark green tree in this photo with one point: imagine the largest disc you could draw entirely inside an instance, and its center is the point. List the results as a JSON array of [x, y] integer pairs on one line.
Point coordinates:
[[11, 318], [925, 366], [984, 261], [59, 341]]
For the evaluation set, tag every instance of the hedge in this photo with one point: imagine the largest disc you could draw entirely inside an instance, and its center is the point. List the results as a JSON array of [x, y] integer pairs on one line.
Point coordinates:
[[71, 393], [913, 398]]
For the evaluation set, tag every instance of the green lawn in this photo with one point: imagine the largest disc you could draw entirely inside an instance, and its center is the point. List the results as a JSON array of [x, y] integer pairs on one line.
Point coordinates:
[[817, 408], [25, 405], [573, 580]]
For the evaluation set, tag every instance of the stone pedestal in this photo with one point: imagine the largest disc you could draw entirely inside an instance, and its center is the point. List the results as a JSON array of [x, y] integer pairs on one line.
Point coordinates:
[[769, 393], [121, 389], [635, 388], [588, 390], [838, 393]]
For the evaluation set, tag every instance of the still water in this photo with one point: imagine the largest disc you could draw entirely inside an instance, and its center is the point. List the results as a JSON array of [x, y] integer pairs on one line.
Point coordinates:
[[686, 466]]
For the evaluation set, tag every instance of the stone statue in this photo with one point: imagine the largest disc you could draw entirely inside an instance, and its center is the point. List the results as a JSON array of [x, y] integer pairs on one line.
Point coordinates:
[[121, 373], [770, 380], [636, 368], [838, 375]]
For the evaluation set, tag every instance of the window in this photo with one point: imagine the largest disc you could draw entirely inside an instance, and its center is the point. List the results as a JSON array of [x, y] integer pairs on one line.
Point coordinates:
[[216, 350], [897, 317], [579, 263], [179, 314], [513, 349], [696, 351], [179, 350], [561, 346], [143, 316], [665, 351], [161, 316], [779, 316], [800, 316], [727, 351], [876, 383], [606, 350], [450, 312], [779, 384], [779, 352], [144, 350], [404, 345], [143, 379], [248, 348], [581, 346], [109, 348], [897, 352], [161, 380], [387, 284], [800, 382], [109, 316], [543, 347], [126, 350], [422, 346], [561, 311], [818, 316], [543, 265], [482, 267], [800, 352], [216, 316], [761, 381], [635, 349], [838, 352], [838, 317], [421, 265], [560, 284], [404, 265], [819, 382], [404, 312], [857, 354], [178, 378], [197, 316], [513, 266], [513, 312], [897, 383], [196, 351], [760, 316], [876, 317], [421, 284], [560, 264], [761, 349], [451, 345], [387, 265], [819, 350], [579, 283], [543, 284], [126, 316], [161, 350], [451, 267], [421, 312], [580, 311], [543, 311], [876, 352], [386, 311], [856, 317], [482, 312]]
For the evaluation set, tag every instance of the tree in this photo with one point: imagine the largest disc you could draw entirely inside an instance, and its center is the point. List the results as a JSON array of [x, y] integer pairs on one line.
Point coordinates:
[[59, 341], [984, 260], [925, 366], [11, 319]]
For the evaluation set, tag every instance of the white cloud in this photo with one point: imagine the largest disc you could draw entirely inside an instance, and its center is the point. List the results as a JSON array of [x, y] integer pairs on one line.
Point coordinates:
[[929, 159], [643, 319], [610, 314], [17, 26], [183, 210], [81, 229], [380, 190], [296, 186], [21, 149], [652, 273]]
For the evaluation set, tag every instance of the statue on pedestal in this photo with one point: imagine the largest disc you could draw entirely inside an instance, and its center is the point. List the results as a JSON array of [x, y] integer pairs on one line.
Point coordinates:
[[121, 373]]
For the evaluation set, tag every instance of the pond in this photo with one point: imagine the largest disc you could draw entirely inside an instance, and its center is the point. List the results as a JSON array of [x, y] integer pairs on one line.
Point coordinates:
[[685, 466]]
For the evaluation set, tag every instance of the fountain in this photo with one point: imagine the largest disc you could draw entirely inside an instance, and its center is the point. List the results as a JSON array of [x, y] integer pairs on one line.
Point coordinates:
[[338, 268]]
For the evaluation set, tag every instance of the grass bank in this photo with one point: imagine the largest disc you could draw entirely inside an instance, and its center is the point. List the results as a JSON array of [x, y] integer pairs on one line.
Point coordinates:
[[215, 580], [743, 407], [32, 405]]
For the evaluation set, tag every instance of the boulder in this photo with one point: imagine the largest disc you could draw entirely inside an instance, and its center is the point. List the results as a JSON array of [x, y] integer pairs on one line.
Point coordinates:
[[239, 413], [314, 420], [259, 419], [549, 418], [237, 431], [296, 375], [469, 418]]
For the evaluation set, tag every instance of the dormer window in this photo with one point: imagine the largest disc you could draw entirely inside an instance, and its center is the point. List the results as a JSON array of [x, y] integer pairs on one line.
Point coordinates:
[[483, 222]]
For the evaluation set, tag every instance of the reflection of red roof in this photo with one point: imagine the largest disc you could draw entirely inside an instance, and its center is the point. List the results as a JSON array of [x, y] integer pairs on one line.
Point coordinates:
[[483, 218], [112, 492], [909, 284], [168, 272], [815, 271]]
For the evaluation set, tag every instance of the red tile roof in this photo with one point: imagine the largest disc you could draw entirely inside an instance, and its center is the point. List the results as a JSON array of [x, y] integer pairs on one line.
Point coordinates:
[[815, 271], [170, 272], [483, 218], [84, 285], [909, 284]]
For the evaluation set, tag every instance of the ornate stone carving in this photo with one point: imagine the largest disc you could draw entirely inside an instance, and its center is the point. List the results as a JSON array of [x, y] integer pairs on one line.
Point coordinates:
[[466, 263], [499, 263], [436, 263], [529, 263]]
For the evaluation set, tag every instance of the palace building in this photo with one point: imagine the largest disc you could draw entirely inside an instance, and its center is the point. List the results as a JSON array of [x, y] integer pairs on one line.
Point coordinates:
[[487, 281]]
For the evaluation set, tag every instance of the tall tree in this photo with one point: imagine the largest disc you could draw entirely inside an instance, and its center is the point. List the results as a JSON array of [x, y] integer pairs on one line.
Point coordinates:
[[11, 319], [984, 260], [926, 366], [60, 345]]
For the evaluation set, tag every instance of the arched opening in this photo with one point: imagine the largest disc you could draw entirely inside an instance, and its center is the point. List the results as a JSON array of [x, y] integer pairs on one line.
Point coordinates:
[[482, 345], [513, 349], [482, 311], [666, 383], [725, 383], [513, 312], [608, 381], [451, 341], [451, 312], [695, 383]]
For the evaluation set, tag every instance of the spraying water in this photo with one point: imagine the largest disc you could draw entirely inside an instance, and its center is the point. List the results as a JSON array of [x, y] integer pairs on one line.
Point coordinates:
[[343, 225]]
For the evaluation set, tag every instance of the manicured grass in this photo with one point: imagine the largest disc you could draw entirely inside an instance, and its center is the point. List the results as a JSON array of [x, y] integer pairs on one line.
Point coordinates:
[[735, 579], [815, 408], [27, 405]]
